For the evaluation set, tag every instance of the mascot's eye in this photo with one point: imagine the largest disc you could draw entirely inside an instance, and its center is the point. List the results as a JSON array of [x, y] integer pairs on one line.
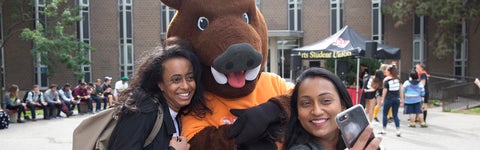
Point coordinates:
[[245, 18], [202, 23]]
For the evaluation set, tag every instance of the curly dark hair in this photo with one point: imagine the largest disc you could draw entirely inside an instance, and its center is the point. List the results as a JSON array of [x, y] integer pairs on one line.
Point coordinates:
[[295, 134], [143, 85]]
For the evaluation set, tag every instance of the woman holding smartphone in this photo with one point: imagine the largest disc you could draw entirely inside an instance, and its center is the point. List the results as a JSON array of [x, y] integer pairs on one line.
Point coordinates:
[[318, 97]]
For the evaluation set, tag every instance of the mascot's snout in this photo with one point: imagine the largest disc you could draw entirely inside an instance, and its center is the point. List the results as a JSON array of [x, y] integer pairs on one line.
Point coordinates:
[[238, 64]]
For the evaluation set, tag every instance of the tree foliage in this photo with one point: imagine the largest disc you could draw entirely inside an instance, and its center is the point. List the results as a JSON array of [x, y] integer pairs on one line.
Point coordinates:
[[350, 76], [53, 44], [447, 15]]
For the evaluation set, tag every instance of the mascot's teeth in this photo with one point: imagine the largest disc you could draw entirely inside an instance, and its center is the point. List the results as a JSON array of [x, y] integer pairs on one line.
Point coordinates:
[[252, 73], [219, 77]]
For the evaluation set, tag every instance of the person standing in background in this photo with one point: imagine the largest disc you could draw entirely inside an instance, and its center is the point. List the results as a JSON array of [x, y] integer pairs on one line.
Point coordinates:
[[391, 97], [424, 77], [413, 91], [477, 82], [379, 97], [374, 86]]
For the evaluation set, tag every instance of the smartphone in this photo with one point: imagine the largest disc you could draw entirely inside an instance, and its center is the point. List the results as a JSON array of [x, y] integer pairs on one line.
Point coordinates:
[[351, 123]]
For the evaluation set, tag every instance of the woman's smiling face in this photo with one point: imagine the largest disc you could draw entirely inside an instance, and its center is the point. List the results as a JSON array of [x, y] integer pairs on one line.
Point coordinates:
[[318, 104], [178, 84]]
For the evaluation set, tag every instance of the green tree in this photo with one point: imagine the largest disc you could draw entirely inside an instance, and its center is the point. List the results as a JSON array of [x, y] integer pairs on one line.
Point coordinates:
[[349, 77], [446, 14], [52, 43]]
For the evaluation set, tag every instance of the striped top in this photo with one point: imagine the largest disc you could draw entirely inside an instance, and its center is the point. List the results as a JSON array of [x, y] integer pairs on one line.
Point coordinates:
[[414, 91]]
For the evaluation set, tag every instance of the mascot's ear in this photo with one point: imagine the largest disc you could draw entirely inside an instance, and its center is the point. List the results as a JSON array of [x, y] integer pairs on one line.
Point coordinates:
[[175, 4]]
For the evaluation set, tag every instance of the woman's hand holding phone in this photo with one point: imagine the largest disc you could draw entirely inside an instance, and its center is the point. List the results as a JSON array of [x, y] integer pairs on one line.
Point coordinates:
[[363, 141], [355, 129]]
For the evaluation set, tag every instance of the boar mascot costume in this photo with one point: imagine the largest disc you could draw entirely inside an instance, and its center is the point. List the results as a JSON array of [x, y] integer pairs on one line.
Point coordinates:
[[248, 106]]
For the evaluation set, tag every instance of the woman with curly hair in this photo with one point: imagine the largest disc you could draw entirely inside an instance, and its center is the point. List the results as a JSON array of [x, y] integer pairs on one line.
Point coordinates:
[[167, 78]]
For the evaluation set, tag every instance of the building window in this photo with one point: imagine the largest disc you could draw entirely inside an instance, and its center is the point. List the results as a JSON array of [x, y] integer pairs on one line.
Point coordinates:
[[84, 3], [167, 15], [2, 59], [336, 15], [41, 70], [126, 38], [419, 46], [377, 21], [295, 15], [84, 35], [460, 50]]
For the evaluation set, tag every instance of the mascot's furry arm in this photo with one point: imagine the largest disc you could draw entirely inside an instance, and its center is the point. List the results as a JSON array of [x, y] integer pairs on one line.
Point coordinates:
[[258, 127], [261, 126], [209, 139]]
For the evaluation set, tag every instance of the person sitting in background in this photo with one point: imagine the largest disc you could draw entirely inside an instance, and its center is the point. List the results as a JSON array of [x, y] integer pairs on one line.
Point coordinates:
[[92, 90], [318, 96], [107, 89], [53, 100], [99, 93], [80, 93], [12, 102], [66, 96], [120, 86], [35, 99]]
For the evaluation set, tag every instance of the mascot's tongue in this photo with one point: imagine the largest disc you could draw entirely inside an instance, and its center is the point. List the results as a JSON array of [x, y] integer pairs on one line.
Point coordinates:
[[236, 79]]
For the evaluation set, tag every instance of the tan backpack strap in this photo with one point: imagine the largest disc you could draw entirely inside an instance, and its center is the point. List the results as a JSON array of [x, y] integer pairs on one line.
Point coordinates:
[[157, 126]]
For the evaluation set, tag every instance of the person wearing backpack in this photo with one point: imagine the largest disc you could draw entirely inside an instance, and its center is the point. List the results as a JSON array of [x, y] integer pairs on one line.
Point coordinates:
[[167, 79], [34, 98]]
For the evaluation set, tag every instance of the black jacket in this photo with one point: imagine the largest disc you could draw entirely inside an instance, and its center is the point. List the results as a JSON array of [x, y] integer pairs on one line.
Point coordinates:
[[133, 128]]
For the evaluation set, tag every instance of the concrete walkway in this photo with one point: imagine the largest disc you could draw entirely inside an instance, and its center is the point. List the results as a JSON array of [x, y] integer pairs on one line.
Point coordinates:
[[446, 131]]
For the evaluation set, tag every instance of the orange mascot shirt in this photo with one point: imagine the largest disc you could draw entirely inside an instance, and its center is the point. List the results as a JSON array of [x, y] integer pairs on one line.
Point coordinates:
[[268, 85]]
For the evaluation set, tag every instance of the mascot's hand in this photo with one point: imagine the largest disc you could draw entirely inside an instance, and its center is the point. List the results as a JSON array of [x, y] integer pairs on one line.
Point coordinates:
[[255, 123]]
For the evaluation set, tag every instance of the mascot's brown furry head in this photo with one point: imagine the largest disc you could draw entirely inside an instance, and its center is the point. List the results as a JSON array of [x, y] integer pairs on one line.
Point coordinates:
[[229, 37]]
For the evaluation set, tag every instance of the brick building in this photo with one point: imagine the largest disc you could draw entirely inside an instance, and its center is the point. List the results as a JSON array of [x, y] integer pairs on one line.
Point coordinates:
[[122, 30]]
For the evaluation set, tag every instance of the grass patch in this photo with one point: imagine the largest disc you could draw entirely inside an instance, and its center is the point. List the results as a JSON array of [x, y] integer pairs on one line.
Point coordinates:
[[435, 102], [475, 111]]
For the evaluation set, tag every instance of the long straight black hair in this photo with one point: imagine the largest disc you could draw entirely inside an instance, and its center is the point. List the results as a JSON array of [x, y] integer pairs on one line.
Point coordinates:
[[295, 134]]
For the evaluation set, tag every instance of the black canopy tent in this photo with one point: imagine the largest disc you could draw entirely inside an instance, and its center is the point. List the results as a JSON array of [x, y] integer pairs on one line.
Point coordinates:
[[345, 43]]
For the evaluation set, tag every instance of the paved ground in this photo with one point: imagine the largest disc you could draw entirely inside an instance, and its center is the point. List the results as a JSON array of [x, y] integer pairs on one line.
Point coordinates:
[[446, 131]]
